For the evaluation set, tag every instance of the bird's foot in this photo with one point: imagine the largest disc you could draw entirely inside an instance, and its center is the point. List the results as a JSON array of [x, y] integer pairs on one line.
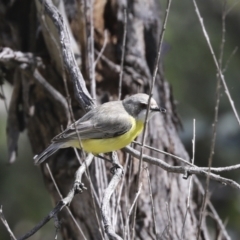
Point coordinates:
[[79, 187], [115, 167]]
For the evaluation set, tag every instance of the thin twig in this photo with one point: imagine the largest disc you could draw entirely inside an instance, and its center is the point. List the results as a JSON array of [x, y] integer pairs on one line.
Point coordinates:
[[131, 209], [51, 215], [166, 153], [114, 67], [190, 181], [223, 40], [157, 61], [215, 121], [211, 207], [168, 224], [229, 59], [94, 195], [68, 209], [4, 98], [120, 190], [99, 55], [9, 56], [221, 76], [129, 181], [123, 53], [77, 187], [53, 92], [181, 169], [90, 44], [5, 223], [152, 204], [213, 169], [232, 7], [106, 200]]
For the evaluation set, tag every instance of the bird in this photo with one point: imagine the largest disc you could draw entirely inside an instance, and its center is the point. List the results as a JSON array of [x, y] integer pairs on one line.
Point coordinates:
[[106, 128]]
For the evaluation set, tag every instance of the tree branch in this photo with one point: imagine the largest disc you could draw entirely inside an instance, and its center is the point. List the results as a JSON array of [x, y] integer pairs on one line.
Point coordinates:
[[53, 92], [9, 57], [106, 201], [181, 169], [5, 223], [70, 64], [220, 73]]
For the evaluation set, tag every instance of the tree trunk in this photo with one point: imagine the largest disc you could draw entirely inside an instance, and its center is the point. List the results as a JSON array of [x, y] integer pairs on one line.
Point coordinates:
[[44, 117]]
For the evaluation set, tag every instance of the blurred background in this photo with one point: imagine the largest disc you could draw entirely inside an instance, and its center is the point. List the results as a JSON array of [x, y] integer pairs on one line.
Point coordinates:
[[190, 69]]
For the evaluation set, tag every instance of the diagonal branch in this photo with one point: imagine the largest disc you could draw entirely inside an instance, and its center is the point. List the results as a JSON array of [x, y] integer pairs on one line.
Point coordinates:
[[78, 187], [106, 200], [220, 73], [181, 169], [152, 84], [52, 91], [5, 223], [70, 64]]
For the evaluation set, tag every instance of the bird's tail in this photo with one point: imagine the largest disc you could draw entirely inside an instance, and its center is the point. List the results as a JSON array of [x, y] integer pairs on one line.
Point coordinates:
[[51, 149]]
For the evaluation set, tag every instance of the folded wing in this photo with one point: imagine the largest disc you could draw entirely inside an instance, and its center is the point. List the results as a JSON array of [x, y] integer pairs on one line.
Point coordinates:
[[106, 121]]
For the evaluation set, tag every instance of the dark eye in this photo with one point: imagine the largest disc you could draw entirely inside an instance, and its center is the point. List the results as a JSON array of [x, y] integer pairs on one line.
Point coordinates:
[[143, 105]]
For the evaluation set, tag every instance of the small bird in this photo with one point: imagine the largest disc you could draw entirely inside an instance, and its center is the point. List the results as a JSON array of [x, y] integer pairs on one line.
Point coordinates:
[[106, 128]]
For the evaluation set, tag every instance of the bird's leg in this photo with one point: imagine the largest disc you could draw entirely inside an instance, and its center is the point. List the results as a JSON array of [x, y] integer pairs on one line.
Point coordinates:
[[78, 186], [186, 174], [104, 158], [115, 162]]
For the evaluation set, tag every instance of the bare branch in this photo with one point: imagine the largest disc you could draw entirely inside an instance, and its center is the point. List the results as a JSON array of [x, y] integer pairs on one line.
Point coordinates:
[[88, 4], [14, 121], [152, 205], [229, 59], [94, 195], [5, 223], [190, 181], [213, 169], [181, 169], [8, 56], [215, 121], [4, 98], [81, 92], [53, 92], [123, 53], [116, 68], [106, 200], [166, 229], [54, 212], [157, 61], [120, 190], [221, 76], [68, 209], [100, 54], [131, 209], [78, 187], [214, 212]]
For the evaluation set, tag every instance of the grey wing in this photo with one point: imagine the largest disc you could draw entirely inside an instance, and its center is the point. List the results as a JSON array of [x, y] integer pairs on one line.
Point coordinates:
[[98, 124]]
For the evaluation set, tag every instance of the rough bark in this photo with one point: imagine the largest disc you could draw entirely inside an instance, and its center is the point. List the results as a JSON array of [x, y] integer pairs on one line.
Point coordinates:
[[44, 117]]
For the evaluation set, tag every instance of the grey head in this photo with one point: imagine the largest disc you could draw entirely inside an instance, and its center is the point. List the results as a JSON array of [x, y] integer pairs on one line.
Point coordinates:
[[137, 104]]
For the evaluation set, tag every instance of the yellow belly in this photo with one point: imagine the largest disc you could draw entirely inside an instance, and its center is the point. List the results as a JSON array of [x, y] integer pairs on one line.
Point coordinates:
[[97, 146]]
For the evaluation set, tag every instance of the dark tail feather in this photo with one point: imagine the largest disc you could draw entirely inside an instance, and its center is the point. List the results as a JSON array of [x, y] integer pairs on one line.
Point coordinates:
[[38, 159]]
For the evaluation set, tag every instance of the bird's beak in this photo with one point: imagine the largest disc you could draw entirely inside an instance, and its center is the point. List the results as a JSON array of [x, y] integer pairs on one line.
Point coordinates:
[[158, 109]]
